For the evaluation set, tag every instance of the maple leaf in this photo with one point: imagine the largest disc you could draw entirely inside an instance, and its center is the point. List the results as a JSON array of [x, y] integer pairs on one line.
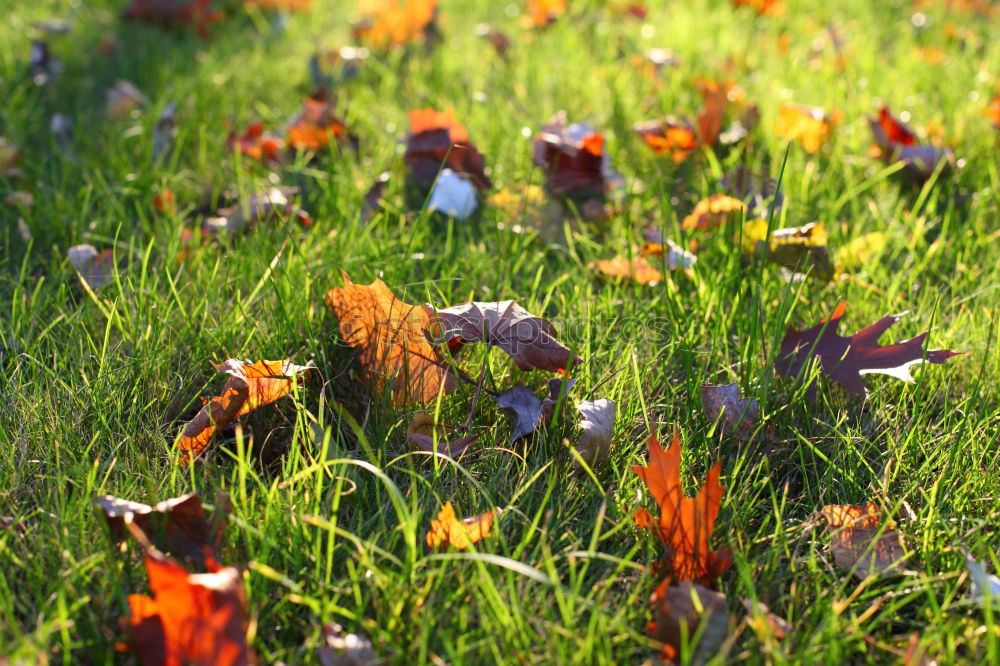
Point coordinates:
[[685, 523], [686, 610], [255, 143], [396, 22], [858, 541], [669, 135], [190, 618], [573, 158], [315, 125], [198, 14], [437, 139], [392, 342], [250, 385], [712, 212], [895, 142], [811, 126], [529, 340], [447, 531], [845, 360]]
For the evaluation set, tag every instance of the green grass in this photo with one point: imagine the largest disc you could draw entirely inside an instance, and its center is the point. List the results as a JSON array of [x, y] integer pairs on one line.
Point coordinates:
[[329, 507]]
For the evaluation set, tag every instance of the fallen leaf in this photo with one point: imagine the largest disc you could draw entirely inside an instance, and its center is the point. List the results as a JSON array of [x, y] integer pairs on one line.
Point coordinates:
[[315, 125], [121, 99], [198, 14], [596, 426], [190, 618], [558, 388], [685, 524], [544, 12], [523, 409], [811, 126], [574, 161], [895, 142], [180, 521], [858, 542], [715, 211], [683, 611], [447, 531], [669, 135], [529, 340], [660, 248], [453, 195], [764, 622], [95, 268], [859, 251], [423, 433], [637, 269], [340, 649], [762, 7], [845, 360], [715, 96], [738, 416], [437, 139], [803, 249], [374, 196], [256, 144], [392, 342], [985, 588], [274, 203], [250, 385], [992, 110], [388, 23]]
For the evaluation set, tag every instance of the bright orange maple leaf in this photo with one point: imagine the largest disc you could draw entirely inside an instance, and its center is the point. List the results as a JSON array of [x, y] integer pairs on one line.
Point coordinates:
[[448, 531], [685, 523]]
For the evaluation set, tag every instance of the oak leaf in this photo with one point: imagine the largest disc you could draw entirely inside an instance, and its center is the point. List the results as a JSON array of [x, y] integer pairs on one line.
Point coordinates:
[[811, 126], [391, 337], [846, 359], [250, 385], [858, 541], [685, 524], [447, 531]]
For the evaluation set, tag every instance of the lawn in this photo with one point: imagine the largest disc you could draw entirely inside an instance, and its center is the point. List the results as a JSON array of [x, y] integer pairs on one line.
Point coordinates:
[[330, 507]]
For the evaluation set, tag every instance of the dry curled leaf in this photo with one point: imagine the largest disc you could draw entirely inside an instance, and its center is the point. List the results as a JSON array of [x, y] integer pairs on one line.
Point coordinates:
[[845, 360], [447, 531], [685, 610], [529, 340], [811, 126], [95, 268], [713, 212], [392, 342], [596, 425], [574, 160], [895, 142], [523, 409], [250, 385], [423, 434], [438, 140], [685, 524], [860, 543], [738, 416]]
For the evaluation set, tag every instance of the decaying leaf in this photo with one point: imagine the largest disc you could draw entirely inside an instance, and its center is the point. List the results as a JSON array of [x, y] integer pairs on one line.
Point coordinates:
[[438, 140], [764, 622], [715, 95], [845, 360], [803, 249], [985, 588], [392, 342], [895, 142], [713, 212], [523, 408], [95, 268], [453, 195], [596, 426], [316, 125], [340, 649], [669, 136], [190, 618], [574, 161], [274, 203], [738, 416], [423, 433], [859, 542], [682, 611], [447, 531], [122, 98], [809, 125], [250, 385], [256, 144], [685, 524], [529, 340], [180, 521]]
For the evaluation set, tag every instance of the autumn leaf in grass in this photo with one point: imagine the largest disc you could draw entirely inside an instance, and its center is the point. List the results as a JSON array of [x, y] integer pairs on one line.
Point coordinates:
[[387, 23], [447, 531], [544, 12], [198, 14], [861, 543], [811, 126], [316, 125], [391, 339], [762, 7], [95, 268], [688, 615], [438, 140], [803, 249], [992, 110], [250, 385], [846, 359], [685, 524], [575, 164], [895, 142], [669, 136], [423, 434], [645, 268], [715, 96], [715, 211], [274, 203], [255, 143]]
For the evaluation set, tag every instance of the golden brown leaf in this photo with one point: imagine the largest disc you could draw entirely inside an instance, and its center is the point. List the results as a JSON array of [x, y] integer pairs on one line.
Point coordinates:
[[544, 12], [395, 22], [858, 541], [423, 434], [809, 125], [636, 268], [714, 211], [447, 531], [669, 136]]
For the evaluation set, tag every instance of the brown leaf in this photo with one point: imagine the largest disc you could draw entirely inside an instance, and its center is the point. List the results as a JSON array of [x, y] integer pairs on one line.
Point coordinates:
[[250, 385], [529, 340], [437, 139], [845, 360], [256, 144], [558, 388], [315, 125], [95, 268], [374, 195], [198, 14], [739, 416], [596, 426], [573, 159], [391, 338], [523, 409], [858, 542], [342, 649], [447, 531], [497, 39], [423, 433], [685, 524], [715, 95], [669, 135], [683, 611]]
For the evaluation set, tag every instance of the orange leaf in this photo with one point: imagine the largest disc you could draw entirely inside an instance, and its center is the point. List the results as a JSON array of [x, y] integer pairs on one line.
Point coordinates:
[[716, 96], [669, 135], [809, 125], [544, 12], [395, 22], [993, 110], [857, 542], [249, 386], [448, 531], [391, 339], [314, 126], [637, 268], [762, 7], [712, 212], [685, 524], [436, 138], [255, 143]]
